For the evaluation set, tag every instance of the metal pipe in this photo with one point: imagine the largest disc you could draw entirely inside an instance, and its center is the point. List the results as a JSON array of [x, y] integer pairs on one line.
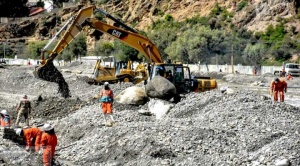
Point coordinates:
[[116, 20], [58, 33], [151, 69]]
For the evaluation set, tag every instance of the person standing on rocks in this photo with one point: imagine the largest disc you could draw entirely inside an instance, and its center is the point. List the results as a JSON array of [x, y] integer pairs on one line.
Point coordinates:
[[49, 143], [278, 85], [24, 109], [106, 98], [289, 77], [4, 119], [32, 137]]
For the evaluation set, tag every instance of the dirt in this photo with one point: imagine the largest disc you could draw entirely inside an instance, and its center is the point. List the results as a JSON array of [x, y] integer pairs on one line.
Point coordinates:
[[243, 127]]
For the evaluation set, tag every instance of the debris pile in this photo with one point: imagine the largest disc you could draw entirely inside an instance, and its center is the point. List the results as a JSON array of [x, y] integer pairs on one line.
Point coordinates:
[[210, 128]]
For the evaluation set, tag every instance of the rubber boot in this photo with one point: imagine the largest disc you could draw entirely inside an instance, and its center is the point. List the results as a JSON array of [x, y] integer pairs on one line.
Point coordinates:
[[112, 121], [105, 119], [27, 121]]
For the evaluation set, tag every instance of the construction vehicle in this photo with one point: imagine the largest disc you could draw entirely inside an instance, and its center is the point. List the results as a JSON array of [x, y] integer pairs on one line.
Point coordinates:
[[113, 71], [156, 66]]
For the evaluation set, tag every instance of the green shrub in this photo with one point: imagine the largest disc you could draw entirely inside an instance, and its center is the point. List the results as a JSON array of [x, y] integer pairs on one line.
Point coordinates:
[[101, 2], [197, 20], [241, 5], [216, 11], [169, 18], [158, 12]]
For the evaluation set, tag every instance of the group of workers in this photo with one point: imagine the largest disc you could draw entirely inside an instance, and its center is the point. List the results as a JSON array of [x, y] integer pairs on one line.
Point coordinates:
[[42, 140]]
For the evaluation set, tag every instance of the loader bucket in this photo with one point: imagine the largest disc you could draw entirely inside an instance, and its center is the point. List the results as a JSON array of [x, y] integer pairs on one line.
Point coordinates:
[[49, 72]]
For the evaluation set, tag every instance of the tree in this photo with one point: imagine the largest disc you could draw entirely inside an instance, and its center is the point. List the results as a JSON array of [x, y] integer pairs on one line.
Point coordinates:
[[124, 53], [253, 53], [8, 51], [33, 50], [196, 44], [103, 48], [78, 46], [66, 55]]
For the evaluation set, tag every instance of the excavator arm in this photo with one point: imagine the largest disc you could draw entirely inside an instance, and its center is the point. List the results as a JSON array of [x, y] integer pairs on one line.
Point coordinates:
[[134, 40], [47, 71]]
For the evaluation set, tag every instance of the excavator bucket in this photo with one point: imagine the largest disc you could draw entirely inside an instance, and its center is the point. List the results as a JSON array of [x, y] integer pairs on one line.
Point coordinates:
[[46, 70], [49, 72]]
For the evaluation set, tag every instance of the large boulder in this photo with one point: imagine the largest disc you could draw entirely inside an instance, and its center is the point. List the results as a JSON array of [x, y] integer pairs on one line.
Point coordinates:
[[161, 88], [133, 95]]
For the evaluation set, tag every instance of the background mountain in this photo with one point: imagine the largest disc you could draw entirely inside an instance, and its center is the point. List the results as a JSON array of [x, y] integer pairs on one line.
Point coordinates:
[[254, 31]]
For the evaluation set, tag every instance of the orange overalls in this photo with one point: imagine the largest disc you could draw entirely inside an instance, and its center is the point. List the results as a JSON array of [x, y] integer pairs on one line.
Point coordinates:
[[106, 99], [33, 138], [5, 121], [49, 142], [280, 87], [289, 77]]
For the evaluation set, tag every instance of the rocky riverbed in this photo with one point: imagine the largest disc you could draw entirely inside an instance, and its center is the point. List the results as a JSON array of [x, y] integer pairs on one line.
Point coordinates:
[[240, 127]]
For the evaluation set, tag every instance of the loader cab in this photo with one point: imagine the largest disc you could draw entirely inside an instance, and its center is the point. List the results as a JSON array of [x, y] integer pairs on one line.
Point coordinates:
[[104, 70], [178, 74], [121, 66]]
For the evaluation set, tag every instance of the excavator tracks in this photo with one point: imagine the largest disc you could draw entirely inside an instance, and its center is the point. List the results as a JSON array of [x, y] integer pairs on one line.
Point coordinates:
[[50, 73]]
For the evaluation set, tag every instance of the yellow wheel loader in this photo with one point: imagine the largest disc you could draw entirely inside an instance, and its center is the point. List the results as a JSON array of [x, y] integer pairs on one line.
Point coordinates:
[[112, 71], [181, 76]]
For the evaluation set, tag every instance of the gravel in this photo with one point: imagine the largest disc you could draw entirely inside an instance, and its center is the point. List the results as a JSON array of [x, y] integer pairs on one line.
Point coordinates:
[[211, 128]]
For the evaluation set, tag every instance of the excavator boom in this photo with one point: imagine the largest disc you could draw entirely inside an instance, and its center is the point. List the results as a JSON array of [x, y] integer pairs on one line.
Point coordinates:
[[135, 40]]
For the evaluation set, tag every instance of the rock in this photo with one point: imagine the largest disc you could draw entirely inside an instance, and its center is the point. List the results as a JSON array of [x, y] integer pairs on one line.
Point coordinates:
[[161, 88], [283, 162], [144, 112], [132, 95], [223, 89], [226, 90], [66, 71], [159, 107], [77, 72]]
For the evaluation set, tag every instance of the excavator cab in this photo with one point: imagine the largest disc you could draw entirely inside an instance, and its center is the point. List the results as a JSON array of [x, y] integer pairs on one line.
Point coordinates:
[[178, 74]]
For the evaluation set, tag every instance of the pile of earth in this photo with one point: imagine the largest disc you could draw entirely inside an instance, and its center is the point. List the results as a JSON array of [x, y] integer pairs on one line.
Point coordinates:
[[211, 128], [243, 128]]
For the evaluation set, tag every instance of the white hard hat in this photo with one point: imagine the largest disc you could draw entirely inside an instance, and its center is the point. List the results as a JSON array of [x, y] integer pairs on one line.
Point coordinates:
[[47, 127], [18, 131], [106, 83], [4, 112]]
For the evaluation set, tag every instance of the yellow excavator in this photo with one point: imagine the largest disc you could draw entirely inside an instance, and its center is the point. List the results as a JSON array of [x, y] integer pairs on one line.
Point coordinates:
[[176, 73]]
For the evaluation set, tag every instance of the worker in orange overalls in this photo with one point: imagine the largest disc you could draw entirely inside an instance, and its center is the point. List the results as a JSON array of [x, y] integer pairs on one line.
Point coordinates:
[[278, 85], [106, 98], [32, 137], [49, 142], [289, 77], [254, 72], [4, 119]]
